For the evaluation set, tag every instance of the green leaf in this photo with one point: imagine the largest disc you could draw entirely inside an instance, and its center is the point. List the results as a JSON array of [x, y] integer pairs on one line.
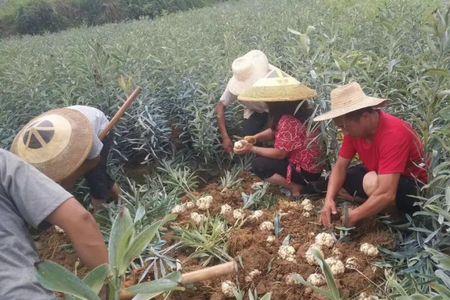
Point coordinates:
[[334, 291], [141, 241], [96, 278], [155, 286], [122, 232], [57, 278]]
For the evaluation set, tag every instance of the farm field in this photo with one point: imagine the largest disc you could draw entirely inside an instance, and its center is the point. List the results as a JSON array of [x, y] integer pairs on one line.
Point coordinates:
[[168, 155]]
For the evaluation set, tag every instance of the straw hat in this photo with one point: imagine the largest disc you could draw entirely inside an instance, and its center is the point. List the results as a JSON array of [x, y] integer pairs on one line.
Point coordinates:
[[56, 142], [277, 86], [247, 70], [348, 98]]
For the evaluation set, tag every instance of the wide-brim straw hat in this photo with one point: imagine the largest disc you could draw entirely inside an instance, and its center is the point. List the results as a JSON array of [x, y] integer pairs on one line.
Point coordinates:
[[247, 69], [277, 86], [56, 142], [348, 98]]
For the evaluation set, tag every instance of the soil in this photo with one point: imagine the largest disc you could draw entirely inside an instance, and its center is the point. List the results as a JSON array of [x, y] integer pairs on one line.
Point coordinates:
[[249, 243]]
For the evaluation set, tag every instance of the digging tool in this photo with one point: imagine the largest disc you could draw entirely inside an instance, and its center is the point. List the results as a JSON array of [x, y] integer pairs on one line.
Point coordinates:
[[120, 113], [197, 276], [69, 182]]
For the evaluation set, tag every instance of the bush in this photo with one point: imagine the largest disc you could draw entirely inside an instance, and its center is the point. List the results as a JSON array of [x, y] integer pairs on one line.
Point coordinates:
[[37, 17]]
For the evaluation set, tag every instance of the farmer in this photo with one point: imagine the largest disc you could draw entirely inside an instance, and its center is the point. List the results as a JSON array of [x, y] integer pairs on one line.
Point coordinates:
[[296, 158], [29, 198], [392, 155], [65, 145], [247, 70]]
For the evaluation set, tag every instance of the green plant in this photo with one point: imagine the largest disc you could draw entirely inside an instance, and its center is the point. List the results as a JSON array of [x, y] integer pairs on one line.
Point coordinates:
[[125, 244], [332, 293], [208, 241]]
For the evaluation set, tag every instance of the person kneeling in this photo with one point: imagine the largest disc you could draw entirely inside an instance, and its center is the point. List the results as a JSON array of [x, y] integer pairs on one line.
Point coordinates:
[[296, 158]]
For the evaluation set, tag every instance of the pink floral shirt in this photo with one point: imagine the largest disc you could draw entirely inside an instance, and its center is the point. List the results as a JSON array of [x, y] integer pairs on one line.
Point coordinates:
[[303, 147]]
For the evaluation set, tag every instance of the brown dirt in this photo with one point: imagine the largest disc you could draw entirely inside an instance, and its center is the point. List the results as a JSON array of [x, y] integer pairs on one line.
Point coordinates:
[[57, 247], [250, 244]]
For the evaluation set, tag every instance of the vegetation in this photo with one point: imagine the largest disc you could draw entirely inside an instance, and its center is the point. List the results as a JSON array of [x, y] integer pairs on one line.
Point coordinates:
[[395, 49], [41, 16]]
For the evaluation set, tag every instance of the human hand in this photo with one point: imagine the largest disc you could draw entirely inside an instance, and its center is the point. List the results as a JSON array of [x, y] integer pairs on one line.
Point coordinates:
[[328, 209], [250, 139], [227, 145], [242, 147]]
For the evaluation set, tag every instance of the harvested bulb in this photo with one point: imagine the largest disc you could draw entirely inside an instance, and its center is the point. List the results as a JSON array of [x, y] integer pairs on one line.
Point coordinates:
[[225, 209], [325, 239], [351, 263], [310, 259], [266, 225], [204, 203], [287, 252], [336, 265], [369, 249], [238, 214], [227, 288], [252, 275], [198, 218], [256, 214], [178, 209], [316, 279], [270, 239]]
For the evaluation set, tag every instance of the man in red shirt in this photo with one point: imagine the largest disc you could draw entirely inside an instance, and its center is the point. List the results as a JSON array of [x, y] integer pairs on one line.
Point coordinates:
[[392, 155]]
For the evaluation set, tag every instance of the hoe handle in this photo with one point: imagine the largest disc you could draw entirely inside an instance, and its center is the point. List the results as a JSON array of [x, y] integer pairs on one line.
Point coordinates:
[[196, 276], [120, 113], [209, 273]]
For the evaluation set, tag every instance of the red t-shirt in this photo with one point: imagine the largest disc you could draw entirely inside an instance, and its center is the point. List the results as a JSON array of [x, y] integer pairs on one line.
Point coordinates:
[[396, 149], [303, 146]]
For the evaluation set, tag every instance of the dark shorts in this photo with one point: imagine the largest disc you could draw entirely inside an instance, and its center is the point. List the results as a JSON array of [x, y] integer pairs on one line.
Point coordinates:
[[265, 167], [255, 124], [407, 187], [98, 179]]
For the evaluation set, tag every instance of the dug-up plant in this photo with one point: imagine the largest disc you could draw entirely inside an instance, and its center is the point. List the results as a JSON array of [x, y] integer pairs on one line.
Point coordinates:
[[208, 240], [332, 292], [125, 244]]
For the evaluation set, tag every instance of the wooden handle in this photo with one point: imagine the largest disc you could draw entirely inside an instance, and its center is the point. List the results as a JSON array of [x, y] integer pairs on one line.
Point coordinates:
[[209, 273], [120, 113]]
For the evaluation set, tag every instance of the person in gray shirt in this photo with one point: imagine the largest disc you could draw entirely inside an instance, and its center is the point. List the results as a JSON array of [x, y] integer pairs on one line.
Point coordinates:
[[29, 198]]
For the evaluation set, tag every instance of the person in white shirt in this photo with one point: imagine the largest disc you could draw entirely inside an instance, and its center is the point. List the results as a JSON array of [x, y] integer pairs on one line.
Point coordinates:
[[247, 70]]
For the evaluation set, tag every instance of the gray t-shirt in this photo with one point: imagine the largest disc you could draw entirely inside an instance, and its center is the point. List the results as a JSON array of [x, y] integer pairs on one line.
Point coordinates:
[[98, 121], [249, 107], [27, 198]]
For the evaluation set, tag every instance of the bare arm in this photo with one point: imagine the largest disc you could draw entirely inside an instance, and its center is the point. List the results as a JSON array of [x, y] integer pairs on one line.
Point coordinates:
[[266, 135], [337, 179], [383, 197], [269, 152], [82, 230], [226, 140]]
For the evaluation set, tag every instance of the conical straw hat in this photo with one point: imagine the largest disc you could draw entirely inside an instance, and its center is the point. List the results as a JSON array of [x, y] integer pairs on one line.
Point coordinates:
[[56, 142], [277, 86], [348, 98]]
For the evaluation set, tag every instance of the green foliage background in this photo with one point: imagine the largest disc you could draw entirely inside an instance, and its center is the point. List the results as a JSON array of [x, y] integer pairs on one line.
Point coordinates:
[[40, 16]]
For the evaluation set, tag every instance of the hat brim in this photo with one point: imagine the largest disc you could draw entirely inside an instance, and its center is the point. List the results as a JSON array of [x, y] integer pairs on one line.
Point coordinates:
[[278, 93], [72, 156], [334, 113], [237, 87]]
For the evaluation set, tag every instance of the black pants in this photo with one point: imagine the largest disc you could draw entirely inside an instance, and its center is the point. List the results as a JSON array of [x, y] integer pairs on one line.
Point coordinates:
[[265, 167], [255, 124], [406, 188], [98, 179]]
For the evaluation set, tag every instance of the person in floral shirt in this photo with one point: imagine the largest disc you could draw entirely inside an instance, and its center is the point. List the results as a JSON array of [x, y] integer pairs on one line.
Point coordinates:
[[296, 159]]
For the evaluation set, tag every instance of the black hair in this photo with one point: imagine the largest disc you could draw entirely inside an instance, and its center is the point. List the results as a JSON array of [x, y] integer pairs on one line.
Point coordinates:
[[278, 109], [356, 115]]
